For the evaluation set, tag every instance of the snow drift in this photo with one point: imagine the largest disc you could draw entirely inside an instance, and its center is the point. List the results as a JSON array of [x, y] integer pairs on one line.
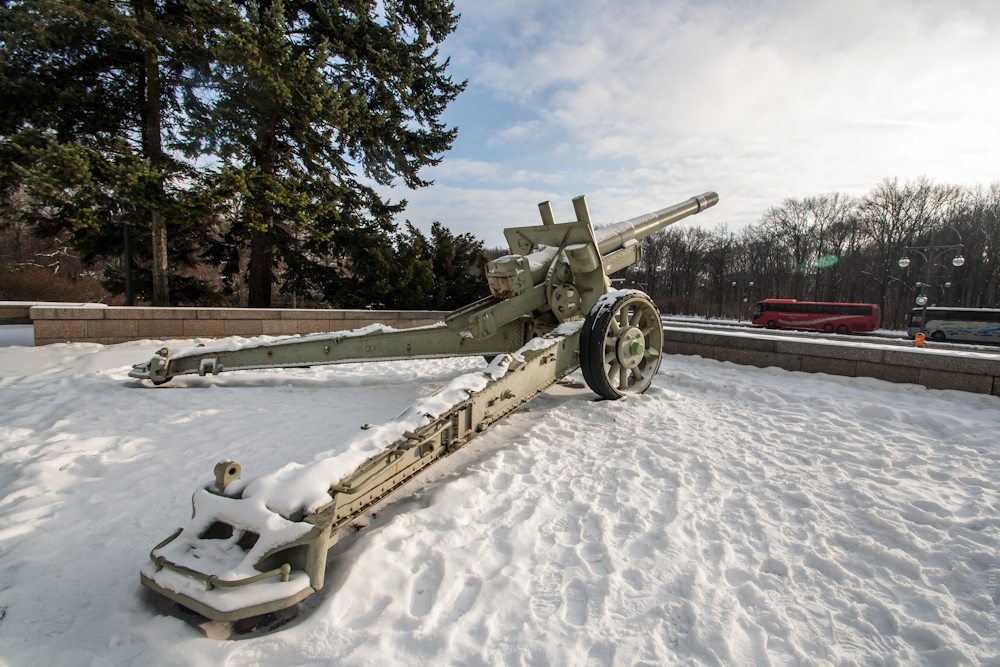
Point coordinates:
[[731, 515]]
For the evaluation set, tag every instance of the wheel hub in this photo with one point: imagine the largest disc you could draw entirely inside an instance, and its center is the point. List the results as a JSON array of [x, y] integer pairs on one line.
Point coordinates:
[[631, 346]]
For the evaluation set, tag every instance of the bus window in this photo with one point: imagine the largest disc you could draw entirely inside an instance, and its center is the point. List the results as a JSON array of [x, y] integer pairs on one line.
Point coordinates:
[[758, 310]]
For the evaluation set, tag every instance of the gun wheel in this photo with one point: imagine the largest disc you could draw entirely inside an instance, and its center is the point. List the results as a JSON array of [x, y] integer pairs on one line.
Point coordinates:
[[620, 346]]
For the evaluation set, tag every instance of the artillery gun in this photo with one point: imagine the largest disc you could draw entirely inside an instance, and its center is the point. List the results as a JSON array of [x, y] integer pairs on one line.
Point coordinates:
[[255, 546]]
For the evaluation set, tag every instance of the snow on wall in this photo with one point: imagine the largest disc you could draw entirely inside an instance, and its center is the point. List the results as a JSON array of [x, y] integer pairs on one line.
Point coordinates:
[[731, 515]]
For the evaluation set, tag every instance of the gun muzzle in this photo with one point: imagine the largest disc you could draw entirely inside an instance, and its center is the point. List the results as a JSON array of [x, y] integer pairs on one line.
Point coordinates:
[[611, 238]]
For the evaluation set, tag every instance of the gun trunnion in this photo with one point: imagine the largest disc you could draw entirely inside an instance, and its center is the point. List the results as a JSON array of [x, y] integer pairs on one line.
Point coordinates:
[[248, 550]]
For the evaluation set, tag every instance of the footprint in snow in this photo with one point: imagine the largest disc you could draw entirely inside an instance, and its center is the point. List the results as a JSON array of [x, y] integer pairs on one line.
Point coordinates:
[[634, 579], [881, 618], [601, 654], [567, 529], [547, 598], [921, 638], [425, 588], [466, 598], [576, 603], [737, 577], [775, 567], [799, 498]]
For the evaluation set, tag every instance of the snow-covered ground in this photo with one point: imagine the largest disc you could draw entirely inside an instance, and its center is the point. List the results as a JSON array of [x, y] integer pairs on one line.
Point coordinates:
[[730, 516]]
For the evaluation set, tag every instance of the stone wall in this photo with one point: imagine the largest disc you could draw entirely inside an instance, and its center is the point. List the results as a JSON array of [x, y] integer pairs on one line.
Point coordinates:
[[935, 369], [19, 312], [118, 324], [13, 313]]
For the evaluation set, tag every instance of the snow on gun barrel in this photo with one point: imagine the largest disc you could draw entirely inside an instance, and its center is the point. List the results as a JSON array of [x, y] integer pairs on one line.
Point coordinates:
[[259, 545]]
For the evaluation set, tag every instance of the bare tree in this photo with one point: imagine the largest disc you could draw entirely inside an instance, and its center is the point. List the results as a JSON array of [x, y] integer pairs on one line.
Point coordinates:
[[833, 247]]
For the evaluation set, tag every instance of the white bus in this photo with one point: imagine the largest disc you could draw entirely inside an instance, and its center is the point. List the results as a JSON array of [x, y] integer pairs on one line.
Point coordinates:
[[973, 325]]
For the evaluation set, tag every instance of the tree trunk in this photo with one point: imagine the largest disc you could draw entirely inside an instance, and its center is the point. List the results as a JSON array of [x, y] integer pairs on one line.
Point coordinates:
[[260, 270], [161, 290], [154, 149]]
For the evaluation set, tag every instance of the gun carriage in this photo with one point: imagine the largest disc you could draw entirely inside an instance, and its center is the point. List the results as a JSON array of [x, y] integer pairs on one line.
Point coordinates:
[[259, 545]]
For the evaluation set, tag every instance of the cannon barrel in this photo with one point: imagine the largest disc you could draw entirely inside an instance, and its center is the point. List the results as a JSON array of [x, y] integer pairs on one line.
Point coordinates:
[[614, 237]]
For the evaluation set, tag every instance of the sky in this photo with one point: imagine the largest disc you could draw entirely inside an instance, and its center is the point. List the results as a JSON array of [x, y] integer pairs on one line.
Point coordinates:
[[642, 105]]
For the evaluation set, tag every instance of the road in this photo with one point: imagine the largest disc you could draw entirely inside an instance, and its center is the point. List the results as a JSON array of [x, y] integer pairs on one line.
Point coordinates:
[[880, 337]]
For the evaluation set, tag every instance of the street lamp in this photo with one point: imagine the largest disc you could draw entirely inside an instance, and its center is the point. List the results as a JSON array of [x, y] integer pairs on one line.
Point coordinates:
[[746, 298], [741, 293], [932, 254], [116, 213]]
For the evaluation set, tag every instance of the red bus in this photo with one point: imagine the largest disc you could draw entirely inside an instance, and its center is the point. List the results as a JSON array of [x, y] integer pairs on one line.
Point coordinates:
[[840, 317]]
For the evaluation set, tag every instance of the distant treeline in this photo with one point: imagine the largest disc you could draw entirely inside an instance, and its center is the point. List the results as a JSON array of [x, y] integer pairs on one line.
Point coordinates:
[[831, 248]]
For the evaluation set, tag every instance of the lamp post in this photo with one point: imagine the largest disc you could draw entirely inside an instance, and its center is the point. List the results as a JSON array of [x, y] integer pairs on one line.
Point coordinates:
[[932, 254], [742, 295], [116, 213], [746, 298]]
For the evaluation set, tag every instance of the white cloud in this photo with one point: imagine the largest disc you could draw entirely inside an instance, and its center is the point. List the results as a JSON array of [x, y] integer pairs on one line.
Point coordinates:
[[518, 132], [483, 211], [463, 169], [641, 105], [486, 211]]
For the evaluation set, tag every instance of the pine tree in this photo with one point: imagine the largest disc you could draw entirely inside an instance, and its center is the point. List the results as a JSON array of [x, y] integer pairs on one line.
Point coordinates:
[[442, 272], [88, 90], [315, 102]]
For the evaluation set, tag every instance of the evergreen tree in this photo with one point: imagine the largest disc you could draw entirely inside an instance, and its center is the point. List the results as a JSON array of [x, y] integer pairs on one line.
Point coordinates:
[[88, 90], [443, 272], [314, 102]]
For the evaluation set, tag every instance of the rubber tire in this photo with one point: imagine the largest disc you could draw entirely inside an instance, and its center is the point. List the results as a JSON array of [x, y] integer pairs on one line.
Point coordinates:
[[592, 347], [842, 329], [938, 337], [771, 324], [828, 327]]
